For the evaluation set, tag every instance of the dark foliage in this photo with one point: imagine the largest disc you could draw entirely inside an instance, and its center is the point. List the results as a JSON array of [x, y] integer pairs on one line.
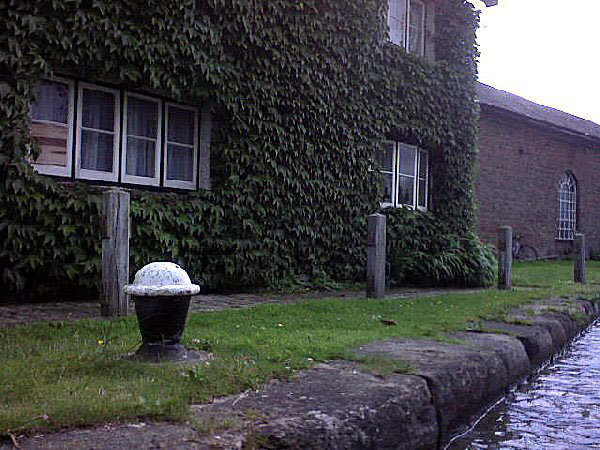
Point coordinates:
[[305, 94]]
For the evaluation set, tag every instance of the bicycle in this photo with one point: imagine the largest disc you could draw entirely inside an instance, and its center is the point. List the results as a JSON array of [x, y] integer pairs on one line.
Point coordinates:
[[523, 252]]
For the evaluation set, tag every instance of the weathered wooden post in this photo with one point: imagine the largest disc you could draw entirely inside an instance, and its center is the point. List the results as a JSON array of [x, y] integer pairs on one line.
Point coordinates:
[[505, 258], [115, 252], [376, 256], [579, 258]]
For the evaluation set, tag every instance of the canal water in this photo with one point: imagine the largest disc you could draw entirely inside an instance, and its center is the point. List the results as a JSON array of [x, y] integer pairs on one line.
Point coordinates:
[[557, 409]]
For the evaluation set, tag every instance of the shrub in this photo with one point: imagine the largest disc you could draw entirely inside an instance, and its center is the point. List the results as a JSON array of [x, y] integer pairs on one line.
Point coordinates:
[[464, 261]]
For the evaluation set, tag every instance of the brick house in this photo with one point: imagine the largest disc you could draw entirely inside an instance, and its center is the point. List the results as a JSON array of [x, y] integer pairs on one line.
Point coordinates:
[[538, 172]]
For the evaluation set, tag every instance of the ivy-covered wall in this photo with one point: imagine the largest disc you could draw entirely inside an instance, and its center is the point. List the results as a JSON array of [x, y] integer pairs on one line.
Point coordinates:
[[304, 93]]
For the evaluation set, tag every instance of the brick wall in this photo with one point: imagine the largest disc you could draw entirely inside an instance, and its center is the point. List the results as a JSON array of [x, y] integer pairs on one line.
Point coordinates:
[[520, 164]]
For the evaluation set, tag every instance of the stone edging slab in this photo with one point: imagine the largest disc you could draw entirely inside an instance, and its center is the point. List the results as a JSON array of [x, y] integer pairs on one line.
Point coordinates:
[[339, 406]]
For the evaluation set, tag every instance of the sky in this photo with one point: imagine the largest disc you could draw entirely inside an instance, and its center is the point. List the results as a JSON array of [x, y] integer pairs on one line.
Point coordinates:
[[547, 51]]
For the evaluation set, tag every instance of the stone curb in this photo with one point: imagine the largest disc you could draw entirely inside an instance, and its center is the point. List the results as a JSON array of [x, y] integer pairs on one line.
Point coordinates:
[[338, 406]]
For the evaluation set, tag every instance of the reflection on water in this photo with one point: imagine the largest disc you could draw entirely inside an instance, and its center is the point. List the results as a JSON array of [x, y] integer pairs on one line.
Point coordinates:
[[558, 409]]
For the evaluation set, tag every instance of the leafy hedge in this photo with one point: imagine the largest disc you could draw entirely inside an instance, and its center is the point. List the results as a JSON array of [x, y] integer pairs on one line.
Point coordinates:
[[304, 93]]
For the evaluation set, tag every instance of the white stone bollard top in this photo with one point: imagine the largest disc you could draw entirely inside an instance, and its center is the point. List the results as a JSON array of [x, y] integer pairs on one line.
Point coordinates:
[[161, 279]]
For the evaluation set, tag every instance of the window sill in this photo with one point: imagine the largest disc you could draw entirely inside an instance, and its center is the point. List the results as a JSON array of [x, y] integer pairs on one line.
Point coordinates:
[[408, 207], [402, 47], [101, 184], [55, 171], [141, 181]]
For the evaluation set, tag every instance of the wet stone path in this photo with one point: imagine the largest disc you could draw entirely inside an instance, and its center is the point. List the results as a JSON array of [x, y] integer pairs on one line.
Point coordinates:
[[558, 409]]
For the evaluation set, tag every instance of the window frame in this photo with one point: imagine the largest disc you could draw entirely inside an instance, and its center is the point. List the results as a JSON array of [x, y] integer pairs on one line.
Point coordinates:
[[567, 233], [421, 50], [202, 124], [136, 179], [89, 174], [406, 32], [67, 170], [386, 204], [400, 146], [181, 184], [396, 174], [418, 179]]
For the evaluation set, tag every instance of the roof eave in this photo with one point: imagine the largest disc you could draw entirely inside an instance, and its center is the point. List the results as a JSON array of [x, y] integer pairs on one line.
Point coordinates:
[[542, 123]]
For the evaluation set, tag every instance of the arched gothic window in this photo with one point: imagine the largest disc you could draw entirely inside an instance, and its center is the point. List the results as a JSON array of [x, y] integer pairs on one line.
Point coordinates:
[[566, 224]]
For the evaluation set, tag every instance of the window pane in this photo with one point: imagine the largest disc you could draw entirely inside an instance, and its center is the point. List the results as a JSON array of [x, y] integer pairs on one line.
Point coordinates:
[[397, 8], [415, 27], [422, 193], [386, 158], [98, 110], [140, 157], [567, 208], [52, 102], [397, 31], [397, 21], [142, 117], [52, 140], [181, 126], [97, 151], [387, 189], [423, 161], [407, 156], [180, 163], [405, 190]]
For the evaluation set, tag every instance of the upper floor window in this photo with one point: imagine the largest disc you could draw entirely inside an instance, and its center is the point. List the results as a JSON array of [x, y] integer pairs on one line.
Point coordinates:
[[118, 135], [405, 170], [406, 22], [566, 224]]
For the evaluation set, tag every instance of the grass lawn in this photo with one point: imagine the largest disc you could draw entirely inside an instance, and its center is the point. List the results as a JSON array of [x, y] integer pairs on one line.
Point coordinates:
[[550, 273], [72, 373]]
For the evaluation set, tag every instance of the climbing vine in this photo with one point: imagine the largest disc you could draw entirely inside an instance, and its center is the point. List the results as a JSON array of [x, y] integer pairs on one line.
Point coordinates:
[[304, 94]]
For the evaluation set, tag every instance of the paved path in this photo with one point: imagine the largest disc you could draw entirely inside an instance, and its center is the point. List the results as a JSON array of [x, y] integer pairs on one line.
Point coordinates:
[[13, 314]]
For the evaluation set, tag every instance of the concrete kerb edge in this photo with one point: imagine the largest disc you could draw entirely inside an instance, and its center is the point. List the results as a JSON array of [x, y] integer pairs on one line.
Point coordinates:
[[458, 398]]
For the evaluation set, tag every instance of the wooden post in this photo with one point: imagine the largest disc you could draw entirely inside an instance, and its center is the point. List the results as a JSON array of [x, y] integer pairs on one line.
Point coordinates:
[[579, 258], [376, 256], [115, 252], [505, 258]]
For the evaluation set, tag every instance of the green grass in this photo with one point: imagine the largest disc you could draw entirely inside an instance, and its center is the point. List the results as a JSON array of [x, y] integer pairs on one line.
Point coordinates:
[[73, 373], [550, 273]]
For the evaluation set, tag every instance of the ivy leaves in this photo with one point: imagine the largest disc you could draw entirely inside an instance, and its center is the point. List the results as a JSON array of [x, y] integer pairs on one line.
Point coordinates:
[[304, 93]]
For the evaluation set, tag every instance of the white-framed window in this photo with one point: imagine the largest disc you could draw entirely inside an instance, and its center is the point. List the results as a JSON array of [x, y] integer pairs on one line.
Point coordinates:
[[142, 132], [181, 146], [98, 120], [405, 172], [406, 22], [52, 126], [99, 133], [566, 224]]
